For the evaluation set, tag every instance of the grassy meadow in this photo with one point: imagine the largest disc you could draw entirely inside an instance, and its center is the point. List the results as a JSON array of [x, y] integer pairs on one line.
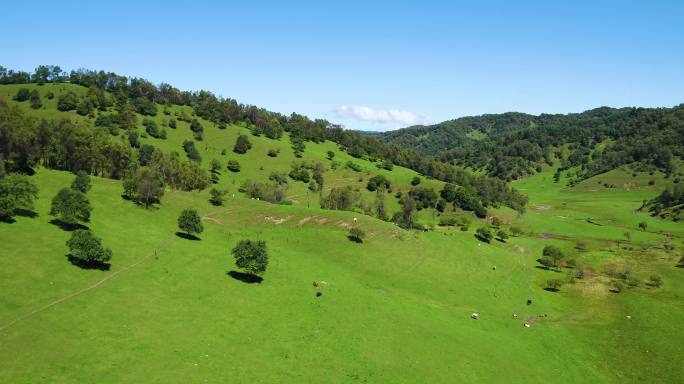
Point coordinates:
[[395, 308]]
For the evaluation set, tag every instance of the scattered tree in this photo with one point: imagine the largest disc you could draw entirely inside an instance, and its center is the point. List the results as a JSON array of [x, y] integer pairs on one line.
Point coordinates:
[[484, 234], [71, 206], [87, 249], [242, 144], [17, 191], [331, 155], [251, 256], [216, 197], [502, 235], [233, 165], [190, 222], [81, 182], [356, 235], [415, 181], [643, 225]]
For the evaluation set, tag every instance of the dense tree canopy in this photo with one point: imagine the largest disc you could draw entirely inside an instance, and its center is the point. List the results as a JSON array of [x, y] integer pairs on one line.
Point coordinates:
[[251, 256]]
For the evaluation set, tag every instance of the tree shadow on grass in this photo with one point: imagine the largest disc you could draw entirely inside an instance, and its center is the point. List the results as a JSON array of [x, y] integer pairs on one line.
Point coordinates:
[[63, 225], [187, 236], [18, 212], [549, 289], [88, 264], [354, 239], [245, 277], [25, 213]]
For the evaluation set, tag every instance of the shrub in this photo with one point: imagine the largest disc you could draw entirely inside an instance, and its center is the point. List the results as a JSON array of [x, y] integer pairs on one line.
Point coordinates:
[[655, 281], [554, 284], [23, 94], [216, 197], [67, 101], [331, 155], [233, 166], [484, 234], [273, 152], [356, 235], [415, 181], [242, 144]]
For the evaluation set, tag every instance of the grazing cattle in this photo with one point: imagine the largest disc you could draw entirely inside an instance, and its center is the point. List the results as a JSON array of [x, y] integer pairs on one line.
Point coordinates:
[[319, 294], [529, 301], [475, 316], [515, 315], [315, 284]]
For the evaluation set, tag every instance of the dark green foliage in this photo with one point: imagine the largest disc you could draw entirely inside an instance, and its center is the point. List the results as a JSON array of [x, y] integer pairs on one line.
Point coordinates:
[[668, 204], [502, 235], [331, 155], [356, 235], [353, 166], [278, 177], [191, 151], [17, 191], [300, 172], [251, 256], [216, 197], [273, 193], [233, 166], [146, 186], [145, 154], [384, 164], [441, 205], [424, 197], [36, 103], [190, 222], [298, 145], [484, 234], [242, 145], [71, 207], [67, 101], [133, 140], [415, 181], [380, 208], [215, 166], [196, 126], [23, 94], [273, 152], [86, 248], [153, 129], [172, 123], [81, 182], [406, 217], [378, 181]]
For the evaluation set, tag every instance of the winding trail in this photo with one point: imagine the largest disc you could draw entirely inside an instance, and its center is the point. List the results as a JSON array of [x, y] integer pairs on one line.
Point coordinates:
[[88, 288]]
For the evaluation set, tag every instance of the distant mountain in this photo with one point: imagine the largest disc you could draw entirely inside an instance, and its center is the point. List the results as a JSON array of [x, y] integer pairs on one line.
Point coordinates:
[[511, 145]]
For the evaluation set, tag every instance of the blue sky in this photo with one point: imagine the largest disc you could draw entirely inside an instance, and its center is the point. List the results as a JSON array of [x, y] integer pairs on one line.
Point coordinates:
[[371, 65]]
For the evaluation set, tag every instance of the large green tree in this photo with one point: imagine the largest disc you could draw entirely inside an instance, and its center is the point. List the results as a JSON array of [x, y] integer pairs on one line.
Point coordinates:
[[251, 256], [17, 191], [190, 222], [86, 248], [71, 206]]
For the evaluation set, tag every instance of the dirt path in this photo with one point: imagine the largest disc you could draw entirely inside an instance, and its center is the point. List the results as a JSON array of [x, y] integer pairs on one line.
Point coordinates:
[[88, 288]]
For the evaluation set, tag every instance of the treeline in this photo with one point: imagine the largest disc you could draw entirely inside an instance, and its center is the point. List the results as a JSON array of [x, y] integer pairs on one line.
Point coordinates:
[[511, 145], [139, 95], [26, 142]]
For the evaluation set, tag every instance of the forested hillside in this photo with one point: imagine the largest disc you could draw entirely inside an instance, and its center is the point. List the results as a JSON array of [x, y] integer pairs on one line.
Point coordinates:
[[118, 105], [512, 145]]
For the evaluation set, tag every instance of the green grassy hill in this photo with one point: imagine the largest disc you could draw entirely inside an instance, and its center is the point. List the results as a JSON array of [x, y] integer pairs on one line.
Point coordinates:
[[395, 308]]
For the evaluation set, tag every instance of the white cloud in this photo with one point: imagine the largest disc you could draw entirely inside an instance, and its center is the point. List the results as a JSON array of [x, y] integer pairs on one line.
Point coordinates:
[[382, 116]]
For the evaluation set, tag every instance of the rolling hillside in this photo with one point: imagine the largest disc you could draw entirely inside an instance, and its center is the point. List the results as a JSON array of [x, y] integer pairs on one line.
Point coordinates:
[[396, 307]]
